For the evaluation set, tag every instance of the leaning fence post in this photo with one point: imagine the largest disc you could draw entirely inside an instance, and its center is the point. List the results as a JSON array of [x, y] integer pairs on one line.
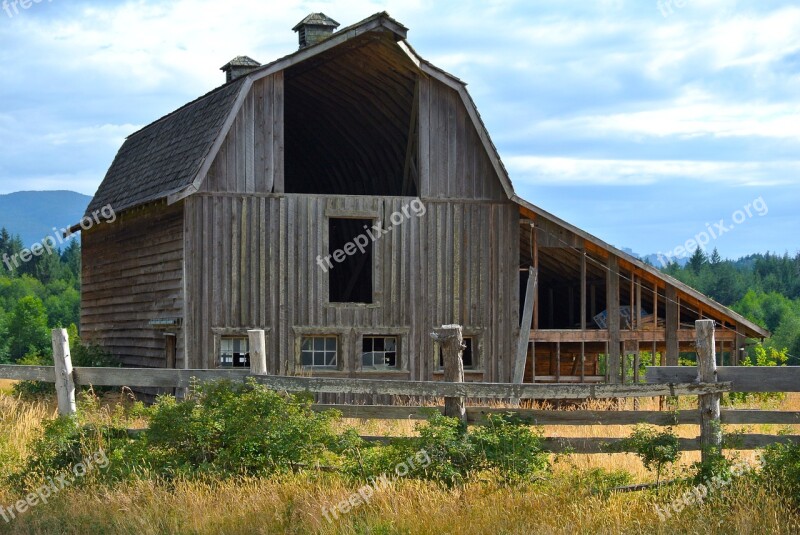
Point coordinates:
[[258, 353], [452, 346], [710, 426], [65, 385]]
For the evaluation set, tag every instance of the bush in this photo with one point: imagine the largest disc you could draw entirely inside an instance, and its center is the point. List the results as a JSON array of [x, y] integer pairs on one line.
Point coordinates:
[[510, 447], [781, 469], [231, 428], [656, 449], [505, 446]]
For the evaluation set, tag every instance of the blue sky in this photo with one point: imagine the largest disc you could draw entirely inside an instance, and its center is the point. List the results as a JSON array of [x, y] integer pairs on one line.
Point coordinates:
[[641, 122]]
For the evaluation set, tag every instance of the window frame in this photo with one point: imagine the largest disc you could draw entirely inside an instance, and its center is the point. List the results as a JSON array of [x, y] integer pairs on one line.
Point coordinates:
[[401, 333], [234, 332], [377, 269], [324, 351], [343, 345], [476, 334]]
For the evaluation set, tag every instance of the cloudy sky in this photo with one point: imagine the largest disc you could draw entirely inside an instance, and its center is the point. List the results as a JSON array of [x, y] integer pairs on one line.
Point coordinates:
[[641, 121]]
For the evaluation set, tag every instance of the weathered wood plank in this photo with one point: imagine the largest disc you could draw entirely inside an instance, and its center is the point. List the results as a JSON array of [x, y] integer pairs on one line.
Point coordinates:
[[478, 415], [17, 372], [597, 445], [525, 327], [742, 378]]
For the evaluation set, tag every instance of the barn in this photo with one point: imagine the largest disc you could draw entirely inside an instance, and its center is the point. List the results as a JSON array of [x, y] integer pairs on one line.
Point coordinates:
[[347, 199]]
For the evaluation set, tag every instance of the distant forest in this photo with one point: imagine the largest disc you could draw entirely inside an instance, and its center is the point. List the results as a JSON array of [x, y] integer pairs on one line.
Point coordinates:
[[44, 293], [36, 296], [764, 288]]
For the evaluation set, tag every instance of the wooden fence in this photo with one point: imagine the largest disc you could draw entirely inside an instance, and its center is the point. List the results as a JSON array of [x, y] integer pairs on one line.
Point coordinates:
[[706, 381]]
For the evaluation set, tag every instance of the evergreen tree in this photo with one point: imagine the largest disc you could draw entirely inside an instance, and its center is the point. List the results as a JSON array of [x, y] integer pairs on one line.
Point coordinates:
[[697, 261], [27, 328]]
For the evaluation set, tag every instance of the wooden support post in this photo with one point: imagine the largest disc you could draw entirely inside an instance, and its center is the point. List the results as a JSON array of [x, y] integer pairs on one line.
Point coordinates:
[[258, 352], [525, 327], [583, 291], [535, 240], [637, 316], [452, 345], [558, 362], [583, 362], [65, 383], [672, 324], [636, 378], [612, 308], [710, 426], [739, 347]]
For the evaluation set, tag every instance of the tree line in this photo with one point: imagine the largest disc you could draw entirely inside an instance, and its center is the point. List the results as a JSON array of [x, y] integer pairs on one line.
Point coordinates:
[[36, 296], [764, 288]]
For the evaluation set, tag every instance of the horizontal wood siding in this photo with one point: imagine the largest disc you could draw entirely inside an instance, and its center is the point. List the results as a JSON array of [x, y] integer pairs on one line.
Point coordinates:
[[253, 262], [251, 157], [453, 162], [132, 272]]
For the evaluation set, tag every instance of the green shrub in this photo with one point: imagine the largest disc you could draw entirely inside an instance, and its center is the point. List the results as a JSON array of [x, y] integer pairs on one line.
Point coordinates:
[[781, 469], [235, 428], [447, 452], [657, 449], [509, 446]]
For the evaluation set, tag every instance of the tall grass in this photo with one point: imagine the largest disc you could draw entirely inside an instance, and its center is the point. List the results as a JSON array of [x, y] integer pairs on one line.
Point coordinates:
[[293, 503]]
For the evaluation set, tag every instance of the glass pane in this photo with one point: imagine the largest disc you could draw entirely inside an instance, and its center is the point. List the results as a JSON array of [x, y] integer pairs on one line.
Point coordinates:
[[306, 344], [306, 358], [391, 344], [466, 356], [319, 343], [330, 343], [226, 345], [331, 359], [377, 344], [366, 346], [391, 360], [366, 360]]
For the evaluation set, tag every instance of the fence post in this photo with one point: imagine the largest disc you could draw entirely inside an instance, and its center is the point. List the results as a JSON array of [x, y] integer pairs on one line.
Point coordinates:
[[710, 426], [452, 346], [65, 384], [258, 353]]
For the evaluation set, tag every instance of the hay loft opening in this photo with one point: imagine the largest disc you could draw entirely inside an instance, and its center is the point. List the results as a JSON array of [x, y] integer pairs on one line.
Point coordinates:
[[348, 121]]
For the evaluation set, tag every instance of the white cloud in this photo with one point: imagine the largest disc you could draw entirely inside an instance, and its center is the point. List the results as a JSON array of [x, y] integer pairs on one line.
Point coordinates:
[[573, 171]]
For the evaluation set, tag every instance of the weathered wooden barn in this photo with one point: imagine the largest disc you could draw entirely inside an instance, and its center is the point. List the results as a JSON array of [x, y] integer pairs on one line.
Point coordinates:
[[272, 202]]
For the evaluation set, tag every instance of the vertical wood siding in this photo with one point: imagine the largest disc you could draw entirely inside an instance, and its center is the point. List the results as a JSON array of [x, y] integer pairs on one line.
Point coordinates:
[[251, 157], [449, 265], [454, 164]]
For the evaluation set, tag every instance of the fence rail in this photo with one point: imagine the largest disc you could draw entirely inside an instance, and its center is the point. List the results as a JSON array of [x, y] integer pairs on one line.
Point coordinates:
[[662, 381]]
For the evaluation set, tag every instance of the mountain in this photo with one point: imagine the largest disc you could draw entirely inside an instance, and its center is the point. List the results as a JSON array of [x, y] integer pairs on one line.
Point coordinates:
[[33, 214], [655, 260]]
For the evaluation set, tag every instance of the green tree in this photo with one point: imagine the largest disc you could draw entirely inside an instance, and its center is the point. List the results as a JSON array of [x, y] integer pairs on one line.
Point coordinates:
[[28, 328]]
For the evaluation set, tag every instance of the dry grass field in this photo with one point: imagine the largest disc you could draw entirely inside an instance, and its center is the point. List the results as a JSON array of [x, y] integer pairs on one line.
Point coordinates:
[[294, 503]]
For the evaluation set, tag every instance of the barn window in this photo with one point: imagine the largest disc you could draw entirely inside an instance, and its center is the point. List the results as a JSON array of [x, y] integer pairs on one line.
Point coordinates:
[[379, 353], [349, 261], [318, 351], [234, 352], [466, 356]]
